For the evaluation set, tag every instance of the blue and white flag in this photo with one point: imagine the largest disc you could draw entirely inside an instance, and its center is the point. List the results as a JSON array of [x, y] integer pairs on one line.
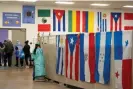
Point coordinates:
[[60, 54], [102, 21], [103, 56]]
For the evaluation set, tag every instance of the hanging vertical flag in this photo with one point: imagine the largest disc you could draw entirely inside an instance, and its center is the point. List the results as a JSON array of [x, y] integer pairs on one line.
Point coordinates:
[[59, 20], [115, 22], [44, 17], [73, 21], [72, 56], [123, 59], [102, 21], [87, 57], [88, 21], [128, 21], [60, 56], [103, 56], [29, 14]]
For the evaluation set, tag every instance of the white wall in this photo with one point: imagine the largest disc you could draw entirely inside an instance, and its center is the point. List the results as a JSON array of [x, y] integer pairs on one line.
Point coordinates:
[[32, 30]]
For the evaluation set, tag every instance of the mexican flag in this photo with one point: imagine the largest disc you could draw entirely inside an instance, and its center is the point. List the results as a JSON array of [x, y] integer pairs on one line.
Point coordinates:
[[44, 20]]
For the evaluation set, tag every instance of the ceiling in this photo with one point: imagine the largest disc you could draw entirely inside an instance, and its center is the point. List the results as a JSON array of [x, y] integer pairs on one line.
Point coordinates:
[[78, 4]]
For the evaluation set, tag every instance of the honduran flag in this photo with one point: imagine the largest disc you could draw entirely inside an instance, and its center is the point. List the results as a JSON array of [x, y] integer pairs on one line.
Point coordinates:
[[72, 56], [60, 54], [59, 20], [103, 56], [87, 57], [123, 59]]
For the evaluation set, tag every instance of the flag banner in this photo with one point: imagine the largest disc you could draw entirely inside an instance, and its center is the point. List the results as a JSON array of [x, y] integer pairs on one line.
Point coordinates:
[[44, 18], [123, 59], [87, 21], [29, 14], [103, 56], [73, 21], [59, 20], [115, 22], [87, 57], [11, 19], [72, 56], [102, 21], [128, 21], [60, 56]]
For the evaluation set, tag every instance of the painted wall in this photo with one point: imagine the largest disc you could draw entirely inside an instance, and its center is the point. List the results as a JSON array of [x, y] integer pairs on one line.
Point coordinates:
[[31, 29]]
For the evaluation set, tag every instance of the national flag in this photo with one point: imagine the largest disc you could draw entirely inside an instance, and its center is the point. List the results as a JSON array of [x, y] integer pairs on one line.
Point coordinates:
[[115, 22], [29, 14], [73, 21], [102, 21], [128, 21], [59, 20], [88, 21], [60, 56], [72, 56], [103, 56], [44, 17], [87, 57], [123, 59]]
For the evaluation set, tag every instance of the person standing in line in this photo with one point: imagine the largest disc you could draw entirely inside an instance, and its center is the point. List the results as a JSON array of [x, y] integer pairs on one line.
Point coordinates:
[[39, 71], [26, 50], [2, 47], [18, 48], [8, 52]]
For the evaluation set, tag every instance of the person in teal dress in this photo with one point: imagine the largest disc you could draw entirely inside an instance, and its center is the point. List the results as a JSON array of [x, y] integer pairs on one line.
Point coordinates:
[[39, 63]]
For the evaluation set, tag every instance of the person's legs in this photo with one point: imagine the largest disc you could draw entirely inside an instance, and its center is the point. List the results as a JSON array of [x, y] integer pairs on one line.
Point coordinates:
[[21, 62], [30, 60], [5, 59], [0, 59], [9, 56], [26, 59], [16, 61]]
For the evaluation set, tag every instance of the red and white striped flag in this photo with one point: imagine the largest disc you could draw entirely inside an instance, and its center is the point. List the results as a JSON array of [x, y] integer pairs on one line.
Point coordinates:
[[128, 21], [72, 56]]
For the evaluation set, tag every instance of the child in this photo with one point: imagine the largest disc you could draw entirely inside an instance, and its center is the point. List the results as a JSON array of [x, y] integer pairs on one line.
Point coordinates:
[[17, 55], [21, 56]]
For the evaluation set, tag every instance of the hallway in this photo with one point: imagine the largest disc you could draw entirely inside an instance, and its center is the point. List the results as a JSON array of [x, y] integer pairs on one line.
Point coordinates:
[[13, 78]]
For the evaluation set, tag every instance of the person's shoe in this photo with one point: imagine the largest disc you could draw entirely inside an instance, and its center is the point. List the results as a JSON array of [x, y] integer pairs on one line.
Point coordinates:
[[27, 67], [16, 65], [0, 65]]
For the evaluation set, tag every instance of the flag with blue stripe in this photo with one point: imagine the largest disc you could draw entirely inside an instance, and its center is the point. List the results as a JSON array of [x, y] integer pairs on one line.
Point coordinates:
[[103, 56], [60, 50], [59, 20], [102, 21]]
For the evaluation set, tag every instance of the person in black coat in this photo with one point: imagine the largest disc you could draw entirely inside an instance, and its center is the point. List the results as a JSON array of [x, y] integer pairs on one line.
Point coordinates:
[[26, 50]]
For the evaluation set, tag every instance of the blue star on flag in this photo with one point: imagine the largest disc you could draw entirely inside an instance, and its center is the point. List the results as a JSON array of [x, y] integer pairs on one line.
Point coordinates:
[[126, 42]]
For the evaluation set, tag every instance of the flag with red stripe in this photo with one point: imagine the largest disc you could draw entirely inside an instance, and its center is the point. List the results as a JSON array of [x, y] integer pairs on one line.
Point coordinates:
[[87, 57], [128, 21], [115, 22], [72, 56], [123, 59]]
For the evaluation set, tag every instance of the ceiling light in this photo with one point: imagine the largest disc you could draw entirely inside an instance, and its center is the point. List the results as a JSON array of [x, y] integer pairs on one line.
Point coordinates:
[[98, 4], [27, 0], [64, 2], [128, 6]]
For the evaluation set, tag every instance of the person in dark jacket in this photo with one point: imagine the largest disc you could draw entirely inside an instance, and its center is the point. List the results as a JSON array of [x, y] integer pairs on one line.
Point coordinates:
[[2, 47], [26, 50], [8, 52]]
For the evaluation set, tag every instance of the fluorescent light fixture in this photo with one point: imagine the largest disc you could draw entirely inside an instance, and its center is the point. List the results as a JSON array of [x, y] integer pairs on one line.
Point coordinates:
[[98, 4], [27, 0], [128, 6], [59, 2]]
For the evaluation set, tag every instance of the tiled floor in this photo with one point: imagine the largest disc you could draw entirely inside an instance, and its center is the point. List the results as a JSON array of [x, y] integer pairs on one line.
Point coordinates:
[[13, 78]]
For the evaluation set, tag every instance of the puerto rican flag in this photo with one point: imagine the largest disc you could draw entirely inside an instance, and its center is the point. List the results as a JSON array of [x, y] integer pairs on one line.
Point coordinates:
[[59, 20], [87, 57], [72, 56], [123, 59], [128, 21], [115, 22]]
